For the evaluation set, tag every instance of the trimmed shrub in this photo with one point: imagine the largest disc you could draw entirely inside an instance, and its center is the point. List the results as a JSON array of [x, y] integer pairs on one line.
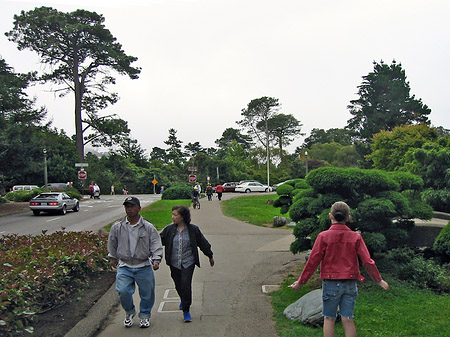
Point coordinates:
[[442, 243], [284, 189], [177, 192]]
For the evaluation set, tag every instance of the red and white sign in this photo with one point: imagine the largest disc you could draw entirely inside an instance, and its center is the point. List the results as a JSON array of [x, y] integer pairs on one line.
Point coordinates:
[[82, 174], [192, 178]]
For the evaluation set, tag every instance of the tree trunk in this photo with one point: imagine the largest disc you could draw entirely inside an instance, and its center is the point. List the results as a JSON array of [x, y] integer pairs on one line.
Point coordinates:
[[78, 98]]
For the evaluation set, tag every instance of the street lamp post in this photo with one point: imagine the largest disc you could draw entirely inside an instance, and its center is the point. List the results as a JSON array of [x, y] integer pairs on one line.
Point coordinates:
[[306, 162], [45, 167]]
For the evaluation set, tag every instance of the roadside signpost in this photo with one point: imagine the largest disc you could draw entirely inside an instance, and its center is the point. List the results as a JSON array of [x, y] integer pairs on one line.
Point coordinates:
[[192, 178], [82, 174]]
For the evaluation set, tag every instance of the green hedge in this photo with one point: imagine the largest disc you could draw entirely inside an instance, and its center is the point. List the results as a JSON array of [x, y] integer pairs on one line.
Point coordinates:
[[177, 192], [24, 196]]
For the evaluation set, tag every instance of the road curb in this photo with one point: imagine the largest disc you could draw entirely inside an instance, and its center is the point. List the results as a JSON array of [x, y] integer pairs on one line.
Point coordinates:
[[96, 316]]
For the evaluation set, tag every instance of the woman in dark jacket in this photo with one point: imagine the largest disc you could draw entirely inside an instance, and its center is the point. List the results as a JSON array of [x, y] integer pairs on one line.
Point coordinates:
[[181, 240]]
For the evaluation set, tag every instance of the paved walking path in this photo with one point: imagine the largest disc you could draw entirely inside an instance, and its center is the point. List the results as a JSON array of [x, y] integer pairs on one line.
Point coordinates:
[[228, 298]]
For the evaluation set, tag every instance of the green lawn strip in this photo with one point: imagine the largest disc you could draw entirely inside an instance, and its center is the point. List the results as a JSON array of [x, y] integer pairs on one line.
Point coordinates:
[[160, 212], [251, 209], [401, 311]]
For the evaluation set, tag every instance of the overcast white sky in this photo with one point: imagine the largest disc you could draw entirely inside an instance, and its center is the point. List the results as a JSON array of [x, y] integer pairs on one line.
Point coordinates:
[[203, 61]]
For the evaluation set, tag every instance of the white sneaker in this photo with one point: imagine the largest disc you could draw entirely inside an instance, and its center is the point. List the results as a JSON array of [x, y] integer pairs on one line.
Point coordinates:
[[128, 322], [145, 323]]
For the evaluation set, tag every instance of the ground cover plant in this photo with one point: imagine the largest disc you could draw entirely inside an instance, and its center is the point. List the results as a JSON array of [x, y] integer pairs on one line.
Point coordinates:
[[39, 272], [404, 310], [254, 209]]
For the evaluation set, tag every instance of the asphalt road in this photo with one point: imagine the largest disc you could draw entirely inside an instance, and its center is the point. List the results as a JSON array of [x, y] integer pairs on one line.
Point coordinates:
[[93, 215]]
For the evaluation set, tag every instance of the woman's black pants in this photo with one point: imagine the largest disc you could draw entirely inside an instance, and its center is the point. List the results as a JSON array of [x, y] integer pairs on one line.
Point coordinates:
[[183, 284]]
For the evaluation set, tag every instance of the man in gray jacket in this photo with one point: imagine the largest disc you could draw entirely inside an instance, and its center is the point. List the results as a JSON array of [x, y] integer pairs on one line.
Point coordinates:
[[134, 245]]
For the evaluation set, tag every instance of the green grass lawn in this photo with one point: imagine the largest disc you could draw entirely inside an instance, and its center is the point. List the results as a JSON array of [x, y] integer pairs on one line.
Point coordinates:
[[400, 312], [251, 209], [160, 212]]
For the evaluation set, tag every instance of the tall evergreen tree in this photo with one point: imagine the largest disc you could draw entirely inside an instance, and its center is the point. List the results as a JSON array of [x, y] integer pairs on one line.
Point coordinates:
[[174, 153], [384, 102], [80, 53]]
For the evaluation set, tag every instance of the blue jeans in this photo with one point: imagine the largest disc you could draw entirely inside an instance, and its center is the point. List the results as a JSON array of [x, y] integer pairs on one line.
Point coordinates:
[[126, 279], [339, 293]]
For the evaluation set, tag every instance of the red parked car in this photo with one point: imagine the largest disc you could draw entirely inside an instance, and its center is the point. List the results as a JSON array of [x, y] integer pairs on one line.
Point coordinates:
[[229, 187]]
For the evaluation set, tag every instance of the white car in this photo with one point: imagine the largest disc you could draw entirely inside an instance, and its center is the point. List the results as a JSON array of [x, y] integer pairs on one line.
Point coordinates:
[[252, 186]]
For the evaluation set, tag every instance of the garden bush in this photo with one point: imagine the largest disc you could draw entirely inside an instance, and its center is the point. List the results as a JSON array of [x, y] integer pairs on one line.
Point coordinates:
[[381, 209], [22, 196], [177, 192], [288, 193], [285, 189], [411, 265], [38, 272], [439, 200], [442, 243]]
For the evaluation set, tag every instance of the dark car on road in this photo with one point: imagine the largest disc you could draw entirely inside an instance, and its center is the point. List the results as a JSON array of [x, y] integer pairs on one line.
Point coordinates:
[[58, 202], [229, 187]]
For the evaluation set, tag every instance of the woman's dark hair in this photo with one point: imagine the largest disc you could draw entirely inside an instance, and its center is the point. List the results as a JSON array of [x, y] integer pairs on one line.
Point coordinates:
[[340, 211], [184, 212]]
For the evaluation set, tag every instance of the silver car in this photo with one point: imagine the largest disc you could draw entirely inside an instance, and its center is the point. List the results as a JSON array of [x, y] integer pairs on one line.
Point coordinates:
[[58, 202]]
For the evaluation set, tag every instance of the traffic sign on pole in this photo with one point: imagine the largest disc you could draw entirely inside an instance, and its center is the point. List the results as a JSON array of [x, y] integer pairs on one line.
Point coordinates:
[[82, 174], [192, 178]]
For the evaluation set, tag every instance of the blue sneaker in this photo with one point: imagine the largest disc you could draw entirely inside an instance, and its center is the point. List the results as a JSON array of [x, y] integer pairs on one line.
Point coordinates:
[[180, 306], [187, 317]]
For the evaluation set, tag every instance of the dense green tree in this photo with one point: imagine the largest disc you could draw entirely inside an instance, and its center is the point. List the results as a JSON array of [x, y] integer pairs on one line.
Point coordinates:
[[256, 120], [282, 128], [432, 163], [390, 147], [80, 53], [334, 135], [335, 154], [230, 135], [174, 153], [158, 155], [131, 149], [384, 102], [21, 145], [193, 148]]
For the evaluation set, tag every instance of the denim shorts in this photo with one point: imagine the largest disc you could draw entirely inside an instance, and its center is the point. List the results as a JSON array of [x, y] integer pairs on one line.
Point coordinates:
[[338, 293]]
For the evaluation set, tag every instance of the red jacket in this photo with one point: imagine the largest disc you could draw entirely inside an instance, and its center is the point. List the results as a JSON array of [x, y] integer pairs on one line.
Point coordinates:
[[337, 251], [219, 188]]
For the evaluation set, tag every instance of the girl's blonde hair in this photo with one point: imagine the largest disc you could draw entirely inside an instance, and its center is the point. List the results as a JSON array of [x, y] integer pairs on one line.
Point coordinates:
[[340, 211]]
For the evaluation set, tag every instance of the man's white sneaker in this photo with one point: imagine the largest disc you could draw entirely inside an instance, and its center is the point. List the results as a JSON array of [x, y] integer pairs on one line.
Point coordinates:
[[145, 323], [128, 322]]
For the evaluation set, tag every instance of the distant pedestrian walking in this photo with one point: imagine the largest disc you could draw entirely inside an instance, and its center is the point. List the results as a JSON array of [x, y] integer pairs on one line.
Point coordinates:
[[219, 191], [337, 250], [209, 192], [112, 190], [135, 246], [181, 240]]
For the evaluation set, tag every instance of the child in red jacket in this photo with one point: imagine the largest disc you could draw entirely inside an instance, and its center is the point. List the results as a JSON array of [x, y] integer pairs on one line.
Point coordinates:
[[337, 250]]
